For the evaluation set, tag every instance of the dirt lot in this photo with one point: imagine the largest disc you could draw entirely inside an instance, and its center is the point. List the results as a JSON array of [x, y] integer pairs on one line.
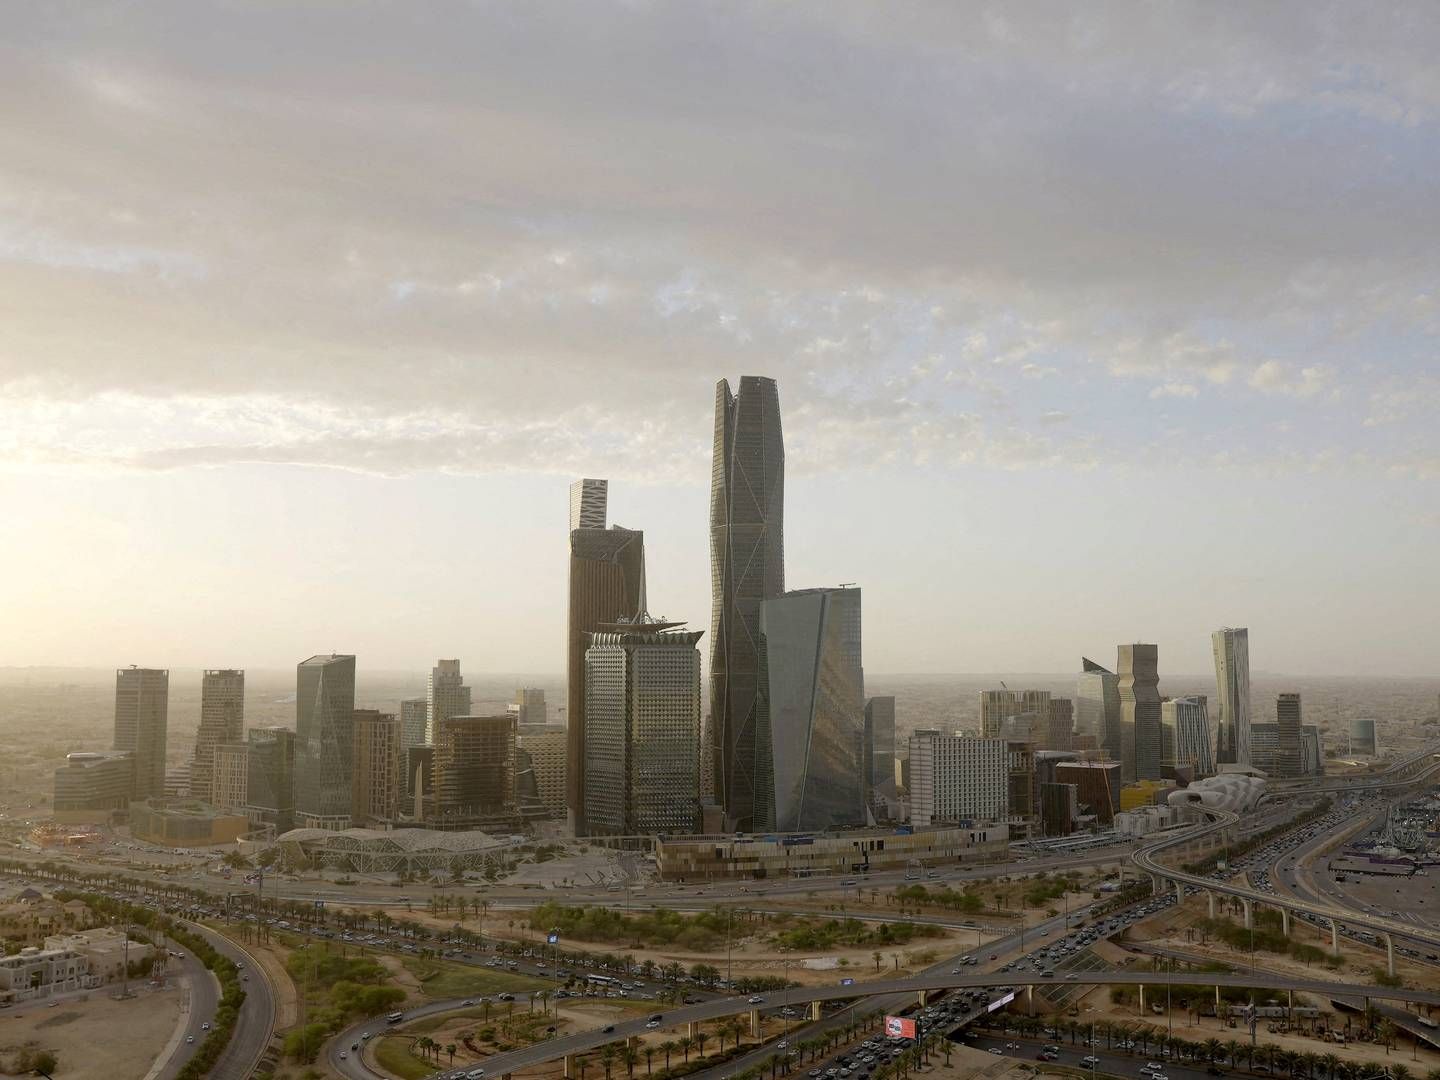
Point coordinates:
[[133, 1033]]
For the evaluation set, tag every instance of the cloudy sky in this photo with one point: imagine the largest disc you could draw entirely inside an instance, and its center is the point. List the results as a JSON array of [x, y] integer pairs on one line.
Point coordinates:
[[1092, 323]]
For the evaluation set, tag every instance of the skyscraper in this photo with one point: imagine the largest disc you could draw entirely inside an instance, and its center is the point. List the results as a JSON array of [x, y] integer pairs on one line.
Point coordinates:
[[529, 705], [1232, 684], [814, 702], [414, 720], [1185, 735], [1097, 708], [880, 722], [642, 729], [955, 779], [229, 788], [445, 695], [1287, 723], [270, 778], [474, 771], [379, 767], [1140, 711], [324, 738], [1062, 724], [142, 704], [222, 721], [607, 584], [747, 567], [998, 706]]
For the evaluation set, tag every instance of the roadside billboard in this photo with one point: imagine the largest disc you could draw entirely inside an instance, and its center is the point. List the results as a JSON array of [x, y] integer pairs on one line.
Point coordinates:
[[899, 1027]]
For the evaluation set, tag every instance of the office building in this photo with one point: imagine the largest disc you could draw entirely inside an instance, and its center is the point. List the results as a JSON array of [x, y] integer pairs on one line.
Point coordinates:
[[222, 721], [1097, 709], [270, 779], [177, 782], [1097, 784], [324, 741], [529, 706], [1059, 733], [419, 775], [185, 823], [1232, 686], [1288, 724], [813, 705], [1312, 751], [1020, 764], [607, 584], [1139, 681], [1265, 748], [230, 777], [998, 706], [642, 729], [954, 779], [90, 787], [1059, 807], [379, 761], [880, 738], [142, 702], [414, 721], [747, 567], [1185, 735], [446, 695], [474, 773], [1364, 738], [540, 749]]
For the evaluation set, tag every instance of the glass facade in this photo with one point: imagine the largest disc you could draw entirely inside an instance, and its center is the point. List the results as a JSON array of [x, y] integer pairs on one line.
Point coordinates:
[[1232, 685], [324, 731], [270, 783], [142, 708], [1097, 707], [1140, 711]]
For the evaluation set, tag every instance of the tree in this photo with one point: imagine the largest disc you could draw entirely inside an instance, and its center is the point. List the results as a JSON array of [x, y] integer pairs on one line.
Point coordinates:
[[877, 957], [44, 1061], [685, 1043], [450, 1049], [667, 1048]]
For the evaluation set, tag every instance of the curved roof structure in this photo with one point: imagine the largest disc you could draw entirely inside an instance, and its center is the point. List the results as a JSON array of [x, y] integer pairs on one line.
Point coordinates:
[[387, 850], [1236, 792]]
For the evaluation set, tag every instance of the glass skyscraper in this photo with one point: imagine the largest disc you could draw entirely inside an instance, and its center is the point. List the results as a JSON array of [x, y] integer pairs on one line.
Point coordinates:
[[1140, 711], [324, 741], [1097, 708], [142, 710], [222, 722], [1232, 684], [747, 567]]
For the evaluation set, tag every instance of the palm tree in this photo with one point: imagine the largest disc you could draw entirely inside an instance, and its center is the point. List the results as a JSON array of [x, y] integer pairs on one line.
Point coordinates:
[[1232, 1052], [649, 1053], [1400, 1072], [1212, 1047], [607, 1055], [667, 1048], [1331, 1063], [450, 1049], [700, 1038], [685, 1043], [632, 1058]]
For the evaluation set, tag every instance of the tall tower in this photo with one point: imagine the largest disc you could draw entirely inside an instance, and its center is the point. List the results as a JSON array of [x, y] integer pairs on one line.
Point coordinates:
[[324, 741], [1232, 685], [378, 743], [1287, 724], [142, 708], [747, 567], [446, 695], [222, 722], [1140, 711], [1097, 708], [607, 584]]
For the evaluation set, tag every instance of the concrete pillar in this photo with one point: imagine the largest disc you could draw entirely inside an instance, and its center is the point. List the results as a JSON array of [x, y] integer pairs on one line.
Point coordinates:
[[567, 1065], [1290, 1019], [920, 998], [815, 1011], [755, 1023], [1030, 998], [1142, 999], [1217, 1004], [1249, 913], [1334, 937], [692, 1029], [1285, 922], [1210, 896], [1179, 893], [1389, 954]]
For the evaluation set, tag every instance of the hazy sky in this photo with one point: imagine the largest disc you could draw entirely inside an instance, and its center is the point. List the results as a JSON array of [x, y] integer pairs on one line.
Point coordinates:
[[1092, 322]]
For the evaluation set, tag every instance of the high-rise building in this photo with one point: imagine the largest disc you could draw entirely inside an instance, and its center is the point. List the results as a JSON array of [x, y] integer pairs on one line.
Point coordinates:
[[1059, 807], [880, 723], [325, 745], [813, 698], [1232, 685], [414, 721], [1265, 747], [607, 584], [1020, 765], [1364, 738], [642, 729], [747, 567], [588, 499], [1140, 711], [529, 706], [379, 764], [222, 720], [474, 771], [541, 749], [1097, 709], [91, 786], [1185, 735], [142, 703], [1062, 725], [955, 779], [230, 778], [1287, 723], [270, 779], [1312, 751], [1098, 785], [998, 706], [446, 695]]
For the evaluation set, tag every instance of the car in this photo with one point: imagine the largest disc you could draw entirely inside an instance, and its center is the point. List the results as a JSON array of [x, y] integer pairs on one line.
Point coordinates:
[[755, 999], [1151, 1066], [1158, 1076], [997, 1051], [505, 997], [1072, 975], [364, 1035], [468, 1001], [189, 1038], [355, 1046], [608, 1030], [651, 1025], [1090, 1060], [342, 1055]]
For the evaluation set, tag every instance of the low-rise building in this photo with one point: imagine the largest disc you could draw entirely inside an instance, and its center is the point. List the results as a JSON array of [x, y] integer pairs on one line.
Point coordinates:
[[1145, 820], [185, 824], [105, 949], [35, 974], [91, 787]]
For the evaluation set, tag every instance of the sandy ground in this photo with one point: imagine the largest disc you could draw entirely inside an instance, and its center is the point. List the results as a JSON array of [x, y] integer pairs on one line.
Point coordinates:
[[272, 958], [132, 1033]]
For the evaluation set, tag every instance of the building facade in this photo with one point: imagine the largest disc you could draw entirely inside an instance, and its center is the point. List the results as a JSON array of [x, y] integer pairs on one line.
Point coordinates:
[[270, 778], [185, 823], [1288, 723], [998, 706], [1059, 807], [1312, 751], [880, 740], [1231, 647], [813, 706], [529, 706], [1139, 681], [541, 748], [1185, 735], [474, 772], [642, 730], [379, 761], [230, 777], [955, 779], [325, 745], [90, 787], [222, 720], [1062, 725], [1364, 738], [446, 695], [1097, 708], [1097, 784], [414, 721], [607, 584], [142, 705], [747, 567]]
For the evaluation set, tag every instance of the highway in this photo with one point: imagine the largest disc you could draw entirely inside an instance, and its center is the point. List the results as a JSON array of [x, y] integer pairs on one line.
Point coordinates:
[[202, 1000], [256, 1022]]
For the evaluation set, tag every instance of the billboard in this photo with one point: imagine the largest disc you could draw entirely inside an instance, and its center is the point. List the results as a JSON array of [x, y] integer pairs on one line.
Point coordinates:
[[899, 1027]]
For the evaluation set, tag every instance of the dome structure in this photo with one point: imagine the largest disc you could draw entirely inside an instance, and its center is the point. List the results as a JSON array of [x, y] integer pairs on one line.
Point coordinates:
[[1236, 792]]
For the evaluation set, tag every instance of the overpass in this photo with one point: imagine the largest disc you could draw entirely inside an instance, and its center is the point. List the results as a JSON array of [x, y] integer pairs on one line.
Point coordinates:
[[566, 1047], [1413, 768]]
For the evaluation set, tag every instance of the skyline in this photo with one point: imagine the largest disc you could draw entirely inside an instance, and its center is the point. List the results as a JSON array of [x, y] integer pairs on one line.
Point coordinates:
[[1088, 329]]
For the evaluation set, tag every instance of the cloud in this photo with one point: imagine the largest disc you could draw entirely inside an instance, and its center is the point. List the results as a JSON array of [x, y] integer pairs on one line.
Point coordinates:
[[1175, 390]]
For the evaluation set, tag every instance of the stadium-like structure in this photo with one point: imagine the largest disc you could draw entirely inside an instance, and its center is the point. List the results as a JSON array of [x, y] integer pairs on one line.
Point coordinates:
[[381, 851], [1234, 791]]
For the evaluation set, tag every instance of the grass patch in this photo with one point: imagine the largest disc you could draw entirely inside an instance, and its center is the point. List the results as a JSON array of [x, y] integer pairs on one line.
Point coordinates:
[[443, 979], [393, 1055]]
